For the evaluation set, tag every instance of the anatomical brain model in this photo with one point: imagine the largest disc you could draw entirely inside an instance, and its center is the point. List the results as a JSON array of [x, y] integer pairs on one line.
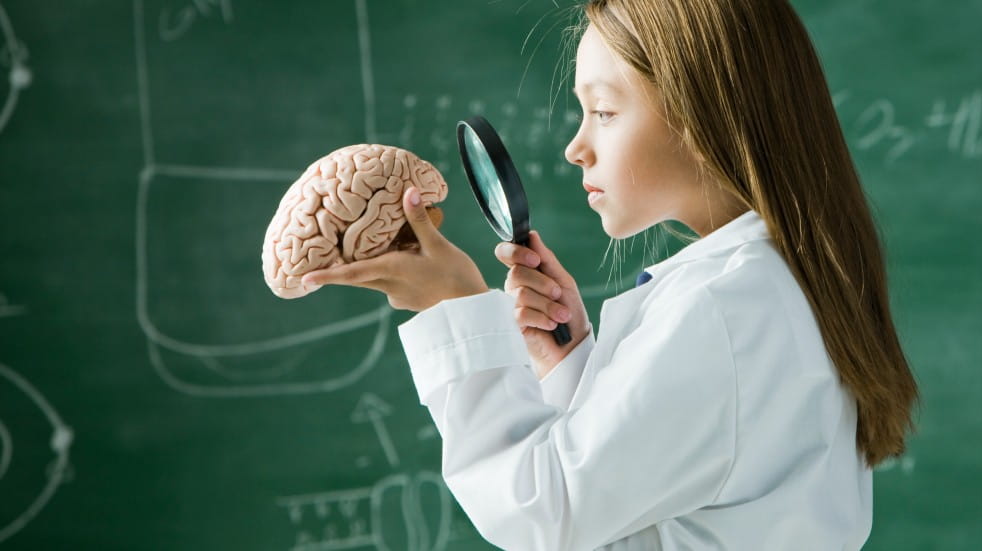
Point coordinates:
[[346, 207]]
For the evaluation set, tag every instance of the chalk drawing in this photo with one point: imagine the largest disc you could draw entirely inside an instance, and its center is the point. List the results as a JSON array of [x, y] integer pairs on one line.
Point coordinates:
[[372, 409], [8, 310], [13, 57], [356, 518], [60, 442], [176, 360]]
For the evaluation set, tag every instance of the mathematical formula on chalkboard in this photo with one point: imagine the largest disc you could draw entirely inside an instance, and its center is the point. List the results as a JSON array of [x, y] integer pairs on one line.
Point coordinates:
[[957, 122], [951, 124]]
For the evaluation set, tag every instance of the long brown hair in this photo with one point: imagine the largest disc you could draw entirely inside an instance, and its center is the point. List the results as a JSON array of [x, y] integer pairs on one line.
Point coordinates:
[[744, 87]]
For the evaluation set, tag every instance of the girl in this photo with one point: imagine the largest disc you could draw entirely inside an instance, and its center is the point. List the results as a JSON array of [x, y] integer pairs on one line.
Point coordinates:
[[737, 400]]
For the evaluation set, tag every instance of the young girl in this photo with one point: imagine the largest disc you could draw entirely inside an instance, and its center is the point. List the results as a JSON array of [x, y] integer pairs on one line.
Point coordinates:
[[738, 399]]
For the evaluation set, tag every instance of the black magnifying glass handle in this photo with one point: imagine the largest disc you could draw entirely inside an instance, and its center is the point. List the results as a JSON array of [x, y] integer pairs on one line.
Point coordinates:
[[561, 333]]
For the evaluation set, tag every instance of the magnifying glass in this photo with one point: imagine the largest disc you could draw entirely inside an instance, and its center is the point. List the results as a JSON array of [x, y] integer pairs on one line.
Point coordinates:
[[497, 188]]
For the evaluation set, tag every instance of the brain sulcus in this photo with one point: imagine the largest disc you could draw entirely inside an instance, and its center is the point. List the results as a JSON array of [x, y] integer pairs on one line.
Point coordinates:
[[347, 206]]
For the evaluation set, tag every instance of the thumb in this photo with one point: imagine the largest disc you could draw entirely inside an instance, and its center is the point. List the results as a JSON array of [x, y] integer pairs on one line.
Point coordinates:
[[550, 265], [419, 219]]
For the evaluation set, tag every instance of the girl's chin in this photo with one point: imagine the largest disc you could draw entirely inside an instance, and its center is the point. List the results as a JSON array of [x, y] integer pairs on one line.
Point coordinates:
[[617, 230]]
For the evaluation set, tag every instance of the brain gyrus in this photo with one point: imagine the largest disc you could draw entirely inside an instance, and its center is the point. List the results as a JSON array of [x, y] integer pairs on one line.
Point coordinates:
[[346, 206]]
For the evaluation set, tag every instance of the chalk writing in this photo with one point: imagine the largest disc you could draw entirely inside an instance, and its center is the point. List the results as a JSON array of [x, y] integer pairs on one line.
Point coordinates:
[[173, 25], [964, 124], [878, 125]]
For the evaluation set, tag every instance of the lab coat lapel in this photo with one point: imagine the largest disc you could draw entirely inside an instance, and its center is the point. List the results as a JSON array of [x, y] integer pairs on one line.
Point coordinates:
[[616, 316], [617, 312]]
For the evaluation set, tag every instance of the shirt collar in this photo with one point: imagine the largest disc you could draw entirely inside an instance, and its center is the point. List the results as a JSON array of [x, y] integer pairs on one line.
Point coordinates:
[[745, 228]]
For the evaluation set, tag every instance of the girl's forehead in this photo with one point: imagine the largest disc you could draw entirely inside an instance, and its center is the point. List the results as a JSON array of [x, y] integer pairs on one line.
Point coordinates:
[[597, 67]]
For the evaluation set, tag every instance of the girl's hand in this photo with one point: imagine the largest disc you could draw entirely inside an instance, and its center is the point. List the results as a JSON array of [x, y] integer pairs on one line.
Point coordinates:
[[413, 279], [544, 299]]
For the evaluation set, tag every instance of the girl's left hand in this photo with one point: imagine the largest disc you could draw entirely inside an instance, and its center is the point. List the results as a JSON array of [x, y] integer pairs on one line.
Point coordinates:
[[413, 279]]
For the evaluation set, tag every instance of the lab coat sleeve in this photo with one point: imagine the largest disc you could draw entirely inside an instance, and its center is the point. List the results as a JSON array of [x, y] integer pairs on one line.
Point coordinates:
[[559, 384], [654, 439]]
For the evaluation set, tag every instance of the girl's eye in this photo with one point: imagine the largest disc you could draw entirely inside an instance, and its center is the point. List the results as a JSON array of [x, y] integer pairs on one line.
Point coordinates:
[[604, 116]]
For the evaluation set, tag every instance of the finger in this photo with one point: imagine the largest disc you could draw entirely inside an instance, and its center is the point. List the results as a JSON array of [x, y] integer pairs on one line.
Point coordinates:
[[527, 298], [522, 276], [382, 285], [426, 233], [511, 254], [550, 264], [529, 317], [358, 272]]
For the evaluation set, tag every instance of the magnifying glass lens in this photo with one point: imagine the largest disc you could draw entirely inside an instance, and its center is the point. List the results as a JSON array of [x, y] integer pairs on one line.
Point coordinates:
[[488, 182]]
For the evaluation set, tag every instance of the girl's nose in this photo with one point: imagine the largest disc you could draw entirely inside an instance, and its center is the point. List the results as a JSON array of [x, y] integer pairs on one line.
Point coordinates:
[[577, 152]]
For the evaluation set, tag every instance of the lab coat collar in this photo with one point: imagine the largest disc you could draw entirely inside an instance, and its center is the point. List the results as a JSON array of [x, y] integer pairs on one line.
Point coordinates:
[[745, 228], [617, 311]]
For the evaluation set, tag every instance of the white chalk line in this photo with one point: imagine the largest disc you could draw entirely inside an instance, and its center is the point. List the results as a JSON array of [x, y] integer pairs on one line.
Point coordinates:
[[206, 352], [156, 335], [367, 72], [6, 449], [60, 445], [143, 83], [12, 311], [12, 46], [227, 173], [328, 385], [414, 520]]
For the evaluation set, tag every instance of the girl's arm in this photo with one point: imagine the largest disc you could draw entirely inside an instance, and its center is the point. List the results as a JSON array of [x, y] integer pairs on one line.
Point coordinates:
[[653, 439], [560, 383]]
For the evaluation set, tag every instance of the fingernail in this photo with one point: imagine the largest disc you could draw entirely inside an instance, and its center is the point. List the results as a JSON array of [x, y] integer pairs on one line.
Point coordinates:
[[531, 258], [414, 196], [556, 293], [562, 314]]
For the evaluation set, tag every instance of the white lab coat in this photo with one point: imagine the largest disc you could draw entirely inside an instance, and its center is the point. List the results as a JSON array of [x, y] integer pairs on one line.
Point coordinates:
[[706, 415]]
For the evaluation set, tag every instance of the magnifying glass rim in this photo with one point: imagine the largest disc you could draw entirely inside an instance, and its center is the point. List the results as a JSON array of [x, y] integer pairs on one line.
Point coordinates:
[[503, 166]]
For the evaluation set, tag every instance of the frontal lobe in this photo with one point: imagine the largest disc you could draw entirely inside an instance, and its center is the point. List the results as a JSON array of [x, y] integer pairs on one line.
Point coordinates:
[[346, 206]]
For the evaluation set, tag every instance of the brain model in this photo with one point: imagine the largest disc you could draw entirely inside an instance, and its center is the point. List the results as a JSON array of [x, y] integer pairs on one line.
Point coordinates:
[[345, 207]]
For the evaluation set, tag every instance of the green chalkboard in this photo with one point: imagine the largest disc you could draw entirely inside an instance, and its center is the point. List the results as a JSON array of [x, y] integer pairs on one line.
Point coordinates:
[[155, 395]]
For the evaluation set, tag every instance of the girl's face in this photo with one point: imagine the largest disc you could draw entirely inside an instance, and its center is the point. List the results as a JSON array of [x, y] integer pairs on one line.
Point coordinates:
[[627, 150]]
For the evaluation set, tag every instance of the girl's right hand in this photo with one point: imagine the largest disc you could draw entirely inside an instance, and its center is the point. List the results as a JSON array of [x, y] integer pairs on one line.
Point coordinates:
[[543, 299]]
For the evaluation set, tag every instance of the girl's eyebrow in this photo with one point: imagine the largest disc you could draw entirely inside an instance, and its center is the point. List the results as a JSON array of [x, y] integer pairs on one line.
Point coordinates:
[[596, 84]]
